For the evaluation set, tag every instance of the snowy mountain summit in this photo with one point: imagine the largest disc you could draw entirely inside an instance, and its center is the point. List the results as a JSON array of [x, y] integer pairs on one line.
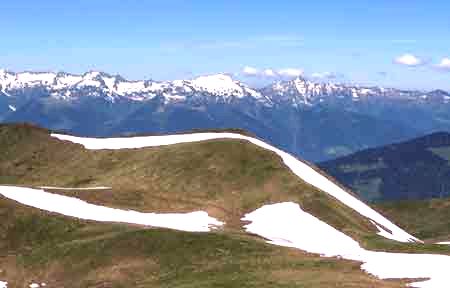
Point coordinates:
[[304, 92], [69, 86], [218, 88]]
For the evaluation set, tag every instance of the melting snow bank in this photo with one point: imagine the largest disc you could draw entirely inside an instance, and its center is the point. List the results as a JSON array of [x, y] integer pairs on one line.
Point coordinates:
[[72, 188], [302, 170], [192, 222], [36, 285], [3, 284], [286, 224]]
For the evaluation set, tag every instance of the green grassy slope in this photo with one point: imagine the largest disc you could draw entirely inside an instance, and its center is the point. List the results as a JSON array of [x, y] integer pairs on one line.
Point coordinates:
[[36, 246], [428, 219], [226, 178]]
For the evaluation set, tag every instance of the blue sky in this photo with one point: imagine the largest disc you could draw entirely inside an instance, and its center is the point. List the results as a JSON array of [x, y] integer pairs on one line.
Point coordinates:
[[391, 43]]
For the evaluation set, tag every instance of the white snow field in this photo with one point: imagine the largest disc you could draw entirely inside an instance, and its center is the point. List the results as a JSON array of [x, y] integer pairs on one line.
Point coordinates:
[[69, 206], [286, 224], [302, 170]]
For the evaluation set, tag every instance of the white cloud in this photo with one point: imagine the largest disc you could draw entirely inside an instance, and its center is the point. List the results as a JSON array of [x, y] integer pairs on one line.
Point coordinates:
[[250, 71], [444, 64], [290, 72], [408, 60], [269, 73]]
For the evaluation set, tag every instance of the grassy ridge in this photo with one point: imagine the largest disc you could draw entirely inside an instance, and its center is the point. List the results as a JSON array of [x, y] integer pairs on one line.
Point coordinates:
[[226, 178]]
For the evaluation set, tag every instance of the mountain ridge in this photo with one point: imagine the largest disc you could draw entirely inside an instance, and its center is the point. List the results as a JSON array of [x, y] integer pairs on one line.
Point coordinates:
[[409, 170], [220, 84]]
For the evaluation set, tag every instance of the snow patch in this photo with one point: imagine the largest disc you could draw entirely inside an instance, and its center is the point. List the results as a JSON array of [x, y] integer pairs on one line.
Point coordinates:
[[3, 89], [198, 221], [218, 84], [302, 170], [89, 83], [124, 88], [278, 223], [10, 80], [12, 108], [286, 224], [67, 80], [36, 78], [110, 82], [444, 243], [36, 285]]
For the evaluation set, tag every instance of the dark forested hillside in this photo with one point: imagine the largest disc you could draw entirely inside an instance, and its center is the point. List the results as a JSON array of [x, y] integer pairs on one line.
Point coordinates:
[[416, 169]]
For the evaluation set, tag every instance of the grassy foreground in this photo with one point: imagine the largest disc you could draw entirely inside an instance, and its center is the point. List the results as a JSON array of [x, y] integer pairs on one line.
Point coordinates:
[[39, 247], [226, 178]]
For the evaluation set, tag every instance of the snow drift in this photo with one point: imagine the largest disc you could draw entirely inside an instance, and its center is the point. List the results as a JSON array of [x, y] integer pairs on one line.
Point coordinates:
[[69, 206], [286, 224]]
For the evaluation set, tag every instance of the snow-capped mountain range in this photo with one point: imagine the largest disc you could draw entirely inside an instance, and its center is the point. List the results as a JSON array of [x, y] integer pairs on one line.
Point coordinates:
[[298, 91], [317, 121], [67, 86]]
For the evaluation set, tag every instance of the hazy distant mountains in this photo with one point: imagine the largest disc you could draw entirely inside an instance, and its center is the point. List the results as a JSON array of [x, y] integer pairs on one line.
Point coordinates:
[[416, 169], [317, 121]]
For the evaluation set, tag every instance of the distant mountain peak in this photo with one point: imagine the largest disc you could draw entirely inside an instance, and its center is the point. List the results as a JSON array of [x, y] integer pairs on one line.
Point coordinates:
[[299, 91], [439, 92], [224, 85], [94, 74], [67, 86], [218, 76]]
